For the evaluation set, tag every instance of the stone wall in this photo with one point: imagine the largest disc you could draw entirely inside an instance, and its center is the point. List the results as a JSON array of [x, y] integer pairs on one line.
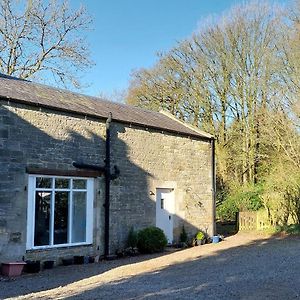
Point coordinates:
[[147, 159]]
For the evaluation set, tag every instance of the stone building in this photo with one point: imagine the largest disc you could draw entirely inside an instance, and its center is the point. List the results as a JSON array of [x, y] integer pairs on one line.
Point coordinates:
[[74, 180]]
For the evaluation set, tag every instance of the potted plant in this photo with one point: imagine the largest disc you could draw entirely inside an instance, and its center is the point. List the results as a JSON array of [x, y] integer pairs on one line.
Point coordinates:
[[200, 237], [48, 264], [67, 261], [32, 266], [12, 269], [78, 259], [183, 238]]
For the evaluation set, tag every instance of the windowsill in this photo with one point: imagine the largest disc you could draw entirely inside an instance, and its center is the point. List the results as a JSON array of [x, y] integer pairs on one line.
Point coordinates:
[[62, 246]]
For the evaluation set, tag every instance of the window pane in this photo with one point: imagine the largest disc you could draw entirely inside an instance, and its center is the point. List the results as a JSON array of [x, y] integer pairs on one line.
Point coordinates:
[[79, 217], [61, 218], [43, 182], [79, 184], [61, 183], [42, 218]]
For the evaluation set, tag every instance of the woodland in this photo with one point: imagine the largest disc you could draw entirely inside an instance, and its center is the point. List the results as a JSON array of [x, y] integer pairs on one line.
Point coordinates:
[[238, 77]]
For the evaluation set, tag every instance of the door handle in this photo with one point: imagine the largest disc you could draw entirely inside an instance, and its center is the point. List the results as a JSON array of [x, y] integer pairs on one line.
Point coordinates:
[[169, 217]]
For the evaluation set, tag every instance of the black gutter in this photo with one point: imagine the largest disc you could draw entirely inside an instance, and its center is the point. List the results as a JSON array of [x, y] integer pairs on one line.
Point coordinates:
[[213, 168], [107, 186]]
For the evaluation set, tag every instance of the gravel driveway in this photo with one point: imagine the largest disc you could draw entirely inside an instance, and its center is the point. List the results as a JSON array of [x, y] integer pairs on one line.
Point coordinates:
[[241, 267]]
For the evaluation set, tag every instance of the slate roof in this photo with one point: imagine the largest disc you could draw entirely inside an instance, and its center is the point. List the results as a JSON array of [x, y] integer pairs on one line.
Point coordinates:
[[27, 92]]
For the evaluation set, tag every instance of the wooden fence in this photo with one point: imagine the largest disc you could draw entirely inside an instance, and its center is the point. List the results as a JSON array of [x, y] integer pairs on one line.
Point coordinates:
[[253, 220]]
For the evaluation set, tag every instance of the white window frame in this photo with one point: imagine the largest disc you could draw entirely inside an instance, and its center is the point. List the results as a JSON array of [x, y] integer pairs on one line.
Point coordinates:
[[31, 210]]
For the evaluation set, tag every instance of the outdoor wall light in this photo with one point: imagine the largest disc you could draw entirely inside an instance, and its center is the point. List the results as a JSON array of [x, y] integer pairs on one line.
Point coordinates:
[[151, 193]]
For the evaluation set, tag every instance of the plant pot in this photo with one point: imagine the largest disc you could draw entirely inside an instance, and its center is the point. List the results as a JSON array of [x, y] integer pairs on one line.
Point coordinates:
[[32, 266], [48, 264], [215, 239], [67, 261], [78, 260], [200, 242], [12, 269]]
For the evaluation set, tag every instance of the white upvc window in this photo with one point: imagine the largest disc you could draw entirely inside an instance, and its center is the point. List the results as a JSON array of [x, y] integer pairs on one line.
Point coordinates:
[[59, 212]]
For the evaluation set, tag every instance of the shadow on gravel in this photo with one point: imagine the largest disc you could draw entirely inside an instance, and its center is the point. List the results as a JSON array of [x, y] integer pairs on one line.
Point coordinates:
[[62, 275], [262, 269], [57, 151]]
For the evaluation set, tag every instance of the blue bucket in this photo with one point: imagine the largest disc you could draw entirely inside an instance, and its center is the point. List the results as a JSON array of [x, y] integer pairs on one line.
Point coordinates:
[[215, 239]]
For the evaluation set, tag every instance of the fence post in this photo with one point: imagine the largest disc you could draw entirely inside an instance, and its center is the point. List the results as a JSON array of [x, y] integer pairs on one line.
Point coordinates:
[[237, 221]]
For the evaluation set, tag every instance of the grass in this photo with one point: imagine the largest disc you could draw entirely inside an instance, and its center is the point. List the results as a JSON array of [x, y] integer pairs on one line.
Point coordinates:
[[229, 228], [292, 229]]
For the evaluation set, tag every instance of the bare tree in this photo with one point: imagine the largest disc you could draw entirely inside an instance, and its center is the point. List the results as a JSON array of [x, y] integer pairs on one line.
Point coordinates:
[[222, 79], [239, 79], [39, 39]]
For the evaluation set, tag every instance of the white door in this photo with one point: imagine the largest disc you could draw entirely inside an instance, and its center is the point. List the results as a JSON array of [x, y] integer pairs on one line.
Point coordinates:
[[165, 211]]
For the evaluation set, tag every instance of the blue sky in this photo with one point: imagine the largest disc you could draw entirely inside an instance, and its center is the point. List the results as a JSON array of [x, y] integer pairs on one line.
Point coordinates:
[[128, 33]]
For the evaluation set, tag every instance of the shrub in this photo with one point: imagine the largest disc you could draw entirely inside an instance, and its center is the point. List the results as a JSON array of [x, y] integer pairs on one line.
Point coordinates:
[[132, 238], [282, 194], [200, 235], [240, 198], [292, 229], [183, 236], [151, 240]]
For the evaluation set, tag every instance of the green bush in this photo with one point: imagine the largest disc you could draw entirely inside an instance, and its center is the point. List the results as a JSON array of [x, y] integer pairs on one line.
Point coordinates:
[[200, 235], [282, 194], [227, 210], [151, 240], [289, 229], [183, 236], [132, 238], [240, 198]]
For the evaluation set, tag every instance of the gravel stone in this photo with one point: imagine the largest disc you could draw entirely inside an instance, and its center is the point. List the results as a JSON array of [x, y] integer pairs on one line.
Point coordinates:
[[244, 266]]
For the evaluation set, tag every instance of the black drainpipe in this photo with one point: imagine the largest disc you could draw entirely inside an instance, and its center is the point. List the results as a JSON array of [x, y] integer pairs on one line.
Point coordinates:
[[108, 178], [213, 167], [107, 186]]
